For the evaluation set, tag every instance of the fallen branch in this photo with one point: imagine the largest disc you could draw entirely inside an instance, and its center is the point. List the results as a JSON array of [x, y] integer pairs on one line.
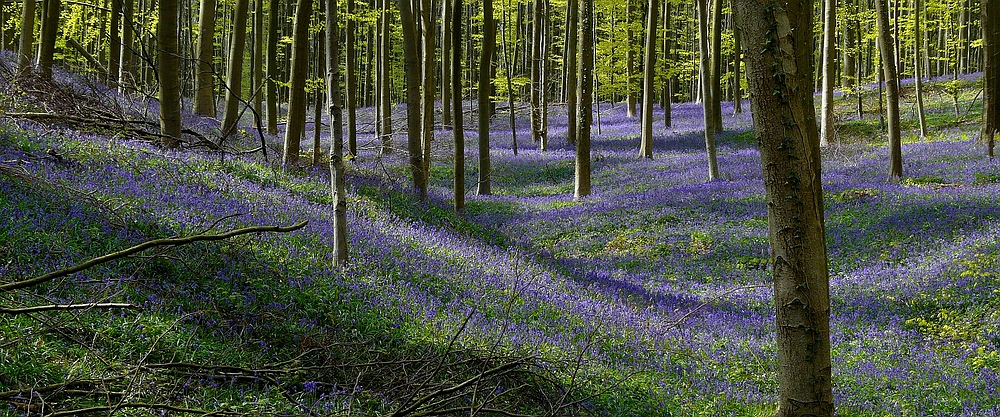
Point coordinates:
[[143, 246], [166, 407], [67, 307]]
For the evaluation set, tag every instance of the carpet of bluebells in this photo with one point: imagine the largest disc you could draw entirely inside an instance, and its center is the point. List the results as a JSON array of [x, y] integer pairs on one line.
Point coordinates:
[[657, 284]]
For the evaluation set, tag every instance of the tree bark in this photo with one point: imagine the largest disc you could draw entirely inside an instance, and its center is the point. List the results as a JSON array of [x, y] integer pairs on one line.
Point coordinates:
[[351, 83], [169, 65], [586, 87], [204, 99], [337, 173], [297, 83], [737, 64], [716, 75], [917, 70], [630, 58], [780, 75], [485, 87], [536, 71], [258, 58], [272, 67], [850, 71], [891, 90], [27, 36], [446, 61], [456, 91], [668, 98], [991, 73], [649, 75], [234, 77], [411, 68], [47, 45], [706, 91], [125, 76], [429, 85], [572, 43], [385, 99], [827, 131]]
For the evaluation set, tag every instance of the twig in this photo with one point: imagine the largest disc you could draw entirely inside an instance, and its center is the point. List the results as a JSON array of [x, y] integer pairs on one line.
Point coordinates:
[[66, 307]]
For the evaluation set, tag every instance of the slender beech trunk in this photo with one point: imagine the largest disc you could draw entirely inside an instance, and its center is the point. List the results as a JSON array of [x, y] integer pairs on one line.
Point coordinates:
[[27, 36], [125, 76], [543, 143], [456, 91], [991, 73], [891, 90], [572, 45], [411, 68], [169, 64], [428, 71], [234, 77], [715, 77], [706, 90], [827, 130], [780, 76], [258, 58], [649, 75], [385, 99], [204, 99], [337, 174], [536, 70], [295, 124], [586, 89], [630, 58], [446, 63], [917, 70], [737, 64], [850, 72], [47, 44], [351, 83], [509, 73], [668, 34], [272, 67], [485, 87]]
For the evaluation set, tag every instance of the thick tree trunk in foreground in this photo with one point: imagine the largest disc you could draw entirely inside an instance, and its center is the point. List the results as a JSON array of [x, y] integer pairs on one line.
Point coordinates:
[[204, 98], [891, 89], [649, 74], [47, 46], [485, 88], [169, 66], [586, 86], [826, 132], [706, 90], [411, 68], [234, 77], [27, 36], [297, 84], [337, 182], [779, 46], [991, 73]]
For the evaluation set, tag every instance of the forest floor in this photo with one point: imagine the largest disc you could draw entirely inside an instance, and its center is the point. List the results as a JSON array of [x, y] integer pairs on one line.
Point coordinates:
[[650, 297]]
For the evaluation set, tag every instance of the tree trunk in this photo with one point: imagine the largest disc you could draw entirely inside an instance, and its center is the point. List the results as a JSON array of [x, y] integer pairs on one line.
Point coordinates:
[[668, 98], [169, 66], [413, 98], [47, 45], [456, 91], [891, 90], [295, 124], [272, 67], [125, 76], [850, 71], [234, 77], [27, 36], [649, 76], [917, 70], [991, 73], [485, 71], [351, 83], [780, 75], [826, 131], [586, 88], [630, 58], [337, 174], [706, 90], [204, 99], [573, 42], [427, 31], [385, 99], [509, 74], [446, 63], [537, 88], [543, 143], [737, 64], [258, 58], [716, 75]]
